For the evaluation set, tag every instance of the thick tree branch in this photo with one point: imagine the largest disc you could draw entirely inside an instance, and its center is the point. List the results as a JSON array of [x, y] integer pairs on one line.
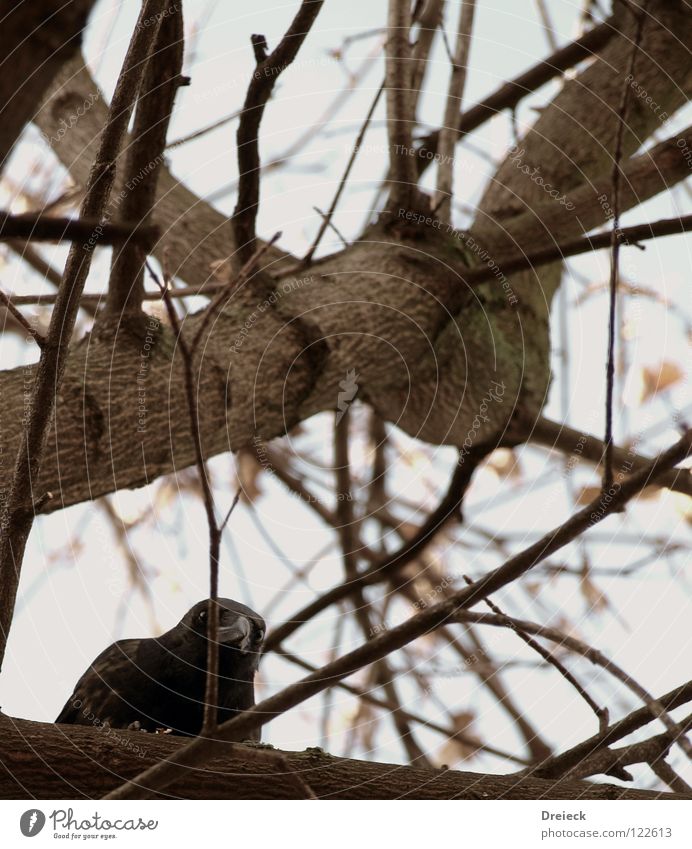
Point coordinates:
[[37, 227], [194, 235], [45, 761], [37, 39], [19, 510]]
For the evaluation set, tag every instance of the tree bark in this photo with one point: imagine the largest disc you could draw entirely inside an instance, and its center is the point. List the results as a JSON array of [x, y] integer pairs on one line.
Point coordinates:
[[46, 761], [392, 309], [37, 39]]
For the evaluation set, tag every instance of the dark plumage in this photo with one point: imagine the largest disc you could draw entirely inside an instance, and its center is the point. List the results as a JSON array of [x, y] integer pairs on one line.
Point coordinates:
[[159, 683]]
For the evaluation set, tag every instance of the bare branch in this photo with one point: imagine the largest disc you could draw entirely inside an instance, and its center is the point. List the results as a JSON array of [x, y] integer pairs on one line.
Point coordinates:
[[403, 174], [455, 93], [512, 92], [18, 515], [621, 118], [268, 70], [37, 227], [581, 445], [144, 159], [162, 774]]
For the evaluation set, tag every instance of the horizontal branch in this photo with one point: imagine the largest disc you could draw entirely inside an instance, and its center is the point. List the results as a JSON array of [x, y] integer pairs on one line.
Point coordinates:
[[46, 761], [575, 443], [35, 227]]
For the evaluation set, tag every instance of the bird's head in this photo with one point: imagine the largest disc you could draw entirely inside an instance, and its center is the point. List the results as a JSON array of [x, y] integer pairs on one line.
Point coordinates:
[[240, 628]]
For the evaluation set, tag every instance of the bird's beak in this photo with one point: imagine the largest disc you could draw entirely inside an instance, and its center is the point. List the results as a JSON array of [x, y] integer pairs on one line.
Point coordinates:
[[237, 635]]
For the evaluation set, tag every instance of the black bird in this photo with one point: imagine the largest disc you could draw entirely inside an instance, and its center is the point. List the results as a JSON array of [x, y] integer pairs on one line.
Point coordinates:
[[159, 683]]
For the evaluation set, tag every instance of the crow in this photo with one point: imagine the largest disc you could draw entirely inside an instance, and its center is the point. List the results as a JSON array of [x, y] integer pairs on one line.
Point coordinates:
[[158, 684]]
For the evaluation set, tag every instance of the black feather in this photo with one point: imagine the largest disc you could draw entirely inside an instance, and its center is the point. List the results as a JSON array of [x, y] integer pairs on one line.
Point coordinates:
[[159, 683]]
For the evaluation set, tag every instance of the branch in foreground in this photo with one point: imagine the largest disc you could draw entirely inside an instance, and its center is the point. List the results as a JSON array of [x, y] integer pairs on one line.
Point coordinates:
[[35, 227], [403, 174], [448, 134], [388, 566], [58, 762], [18, 515], [162, 78], [162, 774], [594, 655]]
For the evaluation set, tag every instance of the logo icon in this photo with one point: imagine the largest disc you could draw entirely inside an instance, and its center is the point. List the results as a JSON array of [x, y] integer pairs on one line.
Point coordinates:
[[31, 822], [349, 387]]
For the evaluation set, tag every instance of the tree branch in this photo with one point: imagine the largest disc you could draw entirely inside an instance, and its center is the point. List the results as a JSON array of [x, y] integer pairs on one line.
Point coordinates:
[[577, 444], [144, 159], [18, 515], [268, 70], [403, 175], [161, 775]]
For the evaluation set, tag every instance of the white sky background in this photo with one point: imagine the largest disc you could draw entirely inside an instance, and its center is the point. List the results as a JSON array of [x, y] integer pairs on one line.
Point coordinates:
[[70, 604]]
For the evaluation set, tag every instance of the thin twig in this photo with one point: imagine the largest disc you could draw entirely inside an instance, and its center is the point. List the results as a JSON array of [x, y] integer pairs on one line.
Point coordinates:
[[512, 92], [616, 175], [561, 764], [455, 94], [388, 565], [594, 655], [38, 227], [377, 701], [515, 625], [38, 338], [269, 68], [342, 183], [212, 680]]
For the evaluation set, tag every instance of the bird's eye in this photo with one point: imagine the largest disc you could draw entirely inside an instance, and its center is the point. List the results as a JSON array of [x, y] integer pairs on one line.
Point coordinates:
[[259, 635], [202, 616]]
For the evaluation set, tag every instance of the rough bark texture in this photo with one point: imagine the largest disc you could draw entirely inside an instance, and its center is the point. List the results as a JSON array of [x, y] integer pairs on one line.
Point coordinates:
[[43, 761], [392, 309], [37, 39]]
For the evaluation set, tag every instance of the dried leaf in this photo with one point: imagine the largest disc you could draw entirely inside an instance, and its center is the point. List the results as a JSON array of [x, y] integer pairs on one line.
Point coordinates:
[[455, 749], [505, 463], [659, 379], [248, 470]]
